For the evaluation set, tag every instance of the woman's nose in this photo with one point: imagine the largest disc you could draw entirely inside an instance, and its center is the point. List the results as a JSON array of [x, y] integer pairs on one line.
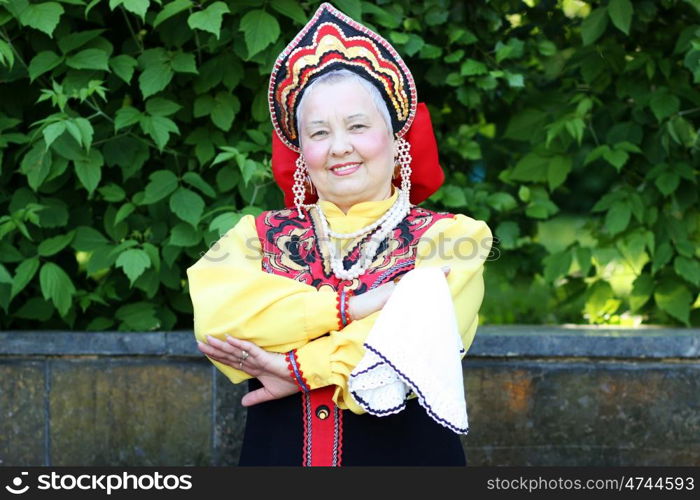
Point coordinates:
[[341, 145]]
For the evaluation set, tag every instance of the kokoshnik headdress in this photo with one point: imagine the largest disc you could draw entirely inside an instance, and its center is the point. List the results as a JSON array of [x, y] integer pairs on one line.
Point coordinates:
[[331, 41]]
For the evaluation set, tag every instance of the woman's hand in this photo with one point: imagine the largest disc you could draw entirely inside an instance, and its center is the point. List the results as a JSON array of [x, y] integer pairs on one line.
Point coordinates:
[[361, 306], [270, 368]]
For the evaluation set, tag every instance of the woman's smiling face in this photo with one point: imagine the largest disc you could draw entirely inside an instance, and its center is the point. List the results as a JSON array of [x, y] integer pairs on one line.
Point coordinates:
[[348, 149]]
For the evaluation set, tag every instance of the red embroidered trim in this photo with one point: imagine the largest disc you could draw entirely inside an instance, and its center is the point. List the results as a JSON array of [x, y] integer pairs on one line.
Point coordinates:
[[348, 318], [339, 315], [340, 437], [297, 375], [342, 305]]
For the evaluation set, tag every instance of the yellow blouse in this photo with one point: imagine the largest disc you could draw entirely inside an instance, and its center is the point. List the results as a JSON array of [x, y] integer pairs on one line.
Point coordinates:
[[231, 294]]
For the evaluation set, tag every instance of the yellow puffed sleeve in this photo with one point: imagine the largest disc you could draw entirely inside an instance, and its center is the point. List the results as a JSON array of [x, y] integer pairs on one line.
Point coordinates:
[[231, 294], [463, 244]]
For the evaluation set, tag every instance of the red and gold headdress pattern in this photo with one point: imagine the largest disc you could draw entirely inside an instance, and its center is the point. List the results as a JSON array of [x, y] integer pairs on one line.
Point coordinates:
[[329, 41]]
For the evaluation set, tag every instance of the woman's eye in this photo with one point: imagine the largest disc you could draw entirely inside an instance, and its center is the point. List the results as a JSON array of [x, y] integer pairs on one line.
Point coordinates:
[[357, 126], [318, 134]]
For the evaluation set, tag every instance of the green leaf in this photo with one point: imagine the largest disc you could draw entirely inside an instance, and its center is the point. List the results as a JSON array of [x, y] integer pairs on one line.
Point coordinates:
[[88, 239], [664, 105], [260, 30], [162, 183], [523, 125], [76, 40], [89, 59], [134, 262], [620, 12], [42, 62], [56, 286], [36, 165], [126, 116], [594, 25], [662, 256], [557, 171], [352, 8], [210, 18], [502, 202], [35, 308], [507, 234], [471, 67], [225, 109], [159, 128], [5, 277], [100, 323], [124, 211], [89, 169], [667, 182], [184, 235], [633, 248], [157, 71], [183, 62], [42, 16], [23, 275], [7, 56], [674, 298], [618, 217], [532, 167], [138, 7], [140, 316], [194, 179], [112, 193], [546, 48], [85, 129], [52, 132], [158, 106], [51, 246], [291, 9], [123, 66], [557, 265], [583, 257], [513, 49], [616, 157], [187, 205], [681, 130], [515, 80], [642, 288], [153, 255], [414, 45], [222, 223], [688, 269], [430, 51], [453, 197], [600, 301], [170, 10]]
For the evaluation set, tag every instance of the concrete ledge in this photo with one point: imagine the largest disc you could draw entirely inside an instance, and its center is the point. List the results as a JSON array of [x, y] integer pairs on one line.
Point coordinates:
[[537, 395], [490, 341]]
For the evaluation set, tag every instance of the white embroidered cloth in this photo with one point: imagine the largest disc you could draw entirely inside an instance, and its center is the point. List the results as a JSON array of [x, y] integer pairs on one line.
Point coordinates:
[[414, 346]]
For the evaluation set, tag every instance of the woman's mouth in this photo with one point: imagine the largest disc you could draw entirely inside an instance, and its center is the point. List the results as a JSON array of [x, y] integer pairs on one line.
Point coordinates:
[[345, 168]]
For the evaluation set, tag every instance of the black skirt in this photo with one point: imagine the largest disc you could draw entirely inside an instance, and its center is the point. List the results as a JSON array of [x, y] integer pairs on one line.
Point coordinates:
[[274, 435]]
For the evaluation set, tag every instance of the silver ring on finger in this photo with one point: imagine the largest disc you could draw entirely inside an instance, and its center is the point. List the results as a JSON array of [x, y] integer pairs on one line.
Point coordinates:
[[240, 365], [245, 356]]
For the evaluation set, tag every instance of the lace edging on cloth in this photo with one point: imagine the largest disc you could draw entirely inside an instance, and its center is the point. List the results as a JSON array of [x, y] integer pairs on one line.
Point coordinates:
[[414, 349]]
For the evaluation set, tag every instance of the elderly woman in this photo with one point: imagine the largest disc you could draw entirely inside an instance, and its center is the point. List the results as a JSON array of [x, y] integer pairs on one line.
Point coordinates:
[[295, 300]]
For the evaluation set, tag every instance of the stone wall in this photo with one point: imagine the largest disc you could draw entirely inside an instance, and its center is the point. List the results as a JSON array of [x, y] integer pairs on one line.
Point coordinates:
[[537, 396]]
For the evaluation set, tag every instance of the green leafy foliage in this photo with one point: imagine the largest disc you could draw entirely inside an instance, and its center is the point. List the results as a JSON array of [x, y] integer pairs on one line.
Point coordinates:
[[134, 133]]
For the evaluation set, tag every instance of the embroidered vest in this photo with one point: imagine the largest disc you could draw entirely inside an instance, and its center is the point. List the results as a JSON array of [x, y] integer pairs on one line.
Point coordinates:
[[290, 248]]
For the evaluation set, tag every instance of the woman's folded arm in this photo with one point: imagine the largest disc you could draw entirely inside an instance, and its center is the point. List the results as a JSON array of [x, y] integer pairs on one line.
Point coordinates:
[[461, 243], [232, 295]]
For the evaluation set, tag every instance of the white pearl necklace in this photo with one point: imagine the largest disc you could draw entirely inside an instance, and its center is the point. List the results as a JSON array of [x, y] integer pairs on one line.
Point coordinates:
[[386, 224]]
